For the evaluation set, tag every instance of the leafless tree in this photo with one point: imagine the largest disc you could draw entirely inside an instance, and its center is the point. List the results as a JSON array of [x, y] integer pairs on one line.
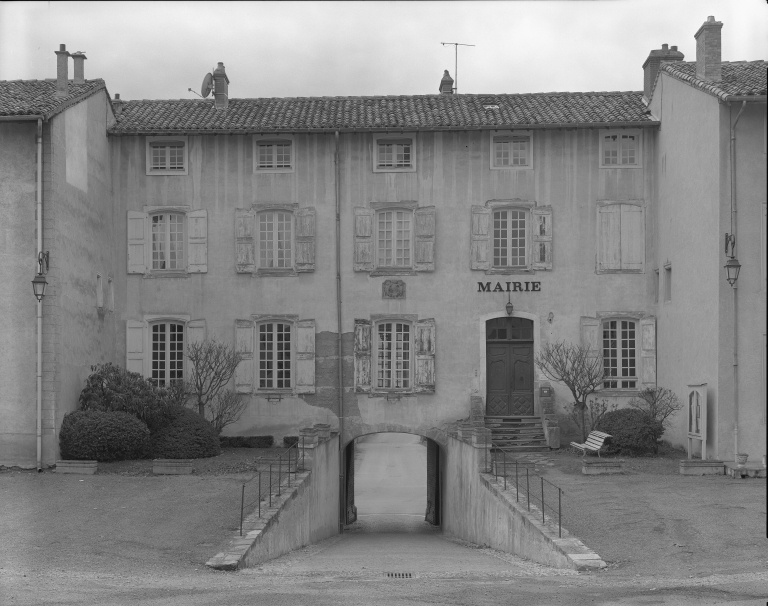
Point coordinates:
[[575, 367], [658, 403], [212, 366], [225, 409]]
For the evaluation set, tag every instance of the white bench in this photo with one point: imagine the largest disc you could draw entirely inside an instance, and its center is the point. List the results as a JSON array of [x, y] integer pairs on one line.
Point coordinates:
[[594, 442]]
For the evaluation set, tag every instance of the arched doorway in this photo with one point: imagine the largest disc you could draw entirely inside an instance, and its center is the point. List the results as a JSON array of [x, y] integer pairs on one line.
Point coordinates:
[[432, 478], [509, 367]]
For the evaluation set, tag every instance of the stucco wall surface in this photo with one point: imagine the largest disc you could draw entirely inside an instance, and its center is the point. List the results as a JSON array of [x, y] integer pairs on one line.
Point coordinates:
[[452, 174], [18, 308], [78, 231]]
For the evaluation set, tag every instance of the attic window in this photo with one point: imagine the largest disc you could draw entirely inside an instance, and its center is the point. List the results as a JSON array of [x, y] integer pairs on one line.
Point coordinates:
[[167, 156], [487, 106]]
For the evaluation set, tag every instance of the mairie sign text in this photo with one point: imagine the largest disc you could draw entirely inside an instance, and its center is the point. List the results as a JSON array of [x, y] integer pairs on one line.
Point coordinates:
[[511, 287]]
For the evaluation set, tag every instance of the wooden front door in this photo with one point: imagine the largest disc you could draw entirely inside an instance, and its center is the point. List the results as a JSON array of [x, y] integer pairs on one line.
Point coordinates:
[[509, 367]]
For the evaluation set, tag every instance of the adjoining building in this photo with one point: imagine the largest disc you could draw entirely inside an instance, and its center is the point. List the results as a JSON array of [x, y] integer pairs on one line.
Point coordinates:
[[415, 250]]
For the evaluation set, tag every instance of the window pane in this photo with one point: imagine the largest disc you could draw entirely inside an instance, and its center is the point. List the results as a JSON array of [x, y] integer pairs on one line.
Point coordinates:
[[159, 350], [517, 243], [266, 240], [159, 243], [175, 352], [283, 355], [176, 242], [501, 153], [403, 239], [628, 149], [265, 156], [393, 360], [158, 158], [610, 149], [500, 233], [176, 157], [403, 154], [520, 151], [283, 155], [385, 238], [386, 155], [610, 352], [384, 356], [283, 241], [266, 356]]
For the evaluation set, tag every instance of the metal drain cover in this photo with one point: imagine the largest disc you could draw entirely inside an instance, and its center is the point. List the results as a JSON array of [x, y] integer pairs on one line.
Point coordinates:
[[398, 575]]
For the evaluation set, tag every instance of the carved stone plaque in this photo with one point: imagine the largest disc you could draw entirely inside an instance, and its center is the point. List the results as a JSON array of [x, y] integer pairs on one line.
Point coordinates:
[[393, 289]]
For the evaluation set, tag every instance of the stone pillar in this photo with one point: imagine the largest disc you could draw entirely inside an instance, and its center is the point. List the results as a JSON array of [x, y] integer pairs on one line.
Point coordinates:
[[466, 431], [481, 440], [307, 445], [323, 431], [476, 412]]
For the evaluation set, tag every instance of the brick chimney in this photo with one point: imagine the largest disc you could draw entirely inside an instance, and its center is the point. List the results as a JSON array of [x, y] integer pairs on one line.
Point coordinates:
[[653, 63], [79, 60], [446, 84], [220, 87], [62, 71], [708, 54], [117, 105]]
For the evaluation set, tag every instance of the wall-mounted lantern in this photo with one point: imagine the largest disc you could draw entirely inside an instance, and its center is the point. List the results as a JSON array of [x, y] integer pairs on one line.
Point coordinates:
[[510, 308], [732, 265], [39, 282]]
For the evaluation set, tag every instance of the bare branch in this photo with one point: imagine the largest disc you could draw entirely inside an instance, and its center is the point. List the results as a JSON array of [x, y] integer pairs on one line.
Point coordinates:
[[212, 366]]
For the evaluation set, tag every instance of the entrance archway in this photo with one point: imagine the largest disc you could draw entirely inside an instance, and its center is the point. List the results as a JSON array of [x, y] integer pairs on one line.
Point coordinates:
[[428, 464]]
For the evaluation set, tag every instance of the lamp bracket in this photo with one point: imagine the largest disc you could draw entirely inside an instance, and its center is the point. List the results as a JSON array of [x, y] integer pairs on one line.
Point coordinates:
[[730, 240], [43, 257]]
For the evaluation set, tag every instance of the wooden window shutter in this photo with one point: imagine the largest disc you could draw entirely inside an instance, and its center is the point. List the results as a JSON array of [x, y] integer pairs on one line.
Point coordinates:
[[305, 356], [424, 243], [648, 352], [363, 260], [197, 241], [135, 341], [195, 331], [632, 237], [609, 237], [424, 346], [137, 242], [590, 335], [244, 346], [245, 243], [305, 239], [542, 238], [480, 243], [363, 329]]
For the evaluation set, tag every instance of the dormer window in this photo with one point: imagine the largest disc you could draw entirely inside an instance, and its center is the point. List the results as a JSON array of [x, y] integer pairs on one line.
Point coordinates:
[[166, 155]]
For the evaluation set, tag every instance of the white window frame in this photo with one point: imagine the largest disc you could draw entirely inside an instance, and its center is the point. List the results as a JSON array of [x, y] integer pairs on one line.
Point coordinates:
[[620, 356], [618, 133], [272, 140], [275, 232], [265, 321], [377, 349], [527, 216], [394, 137], [152, 141], [167, 240], [151, 323], [99, 292], [379, 265], [505, 134]]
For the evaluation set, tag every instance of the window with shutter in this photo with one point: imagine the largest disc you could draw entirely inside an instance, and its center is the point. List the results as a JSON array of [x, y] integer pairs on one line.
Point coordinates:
[[167, 241], [620, 238]]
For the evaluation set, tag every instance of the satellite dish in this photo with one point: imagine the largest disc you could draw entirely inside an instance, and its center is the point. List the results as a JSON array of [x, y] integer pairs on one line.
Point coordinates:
[[207, 85]]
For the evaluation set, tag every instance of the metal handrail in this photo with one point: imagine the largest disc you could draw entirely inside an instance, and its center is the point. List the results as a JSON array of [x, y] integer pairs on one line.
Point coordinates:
[[293, 453], [527, 488]]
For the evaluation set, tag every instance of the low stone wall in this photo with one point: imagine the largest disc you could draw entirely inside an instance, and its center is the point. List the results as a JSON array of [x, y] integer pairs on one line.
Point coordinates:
[[476, 508], [305, 513]]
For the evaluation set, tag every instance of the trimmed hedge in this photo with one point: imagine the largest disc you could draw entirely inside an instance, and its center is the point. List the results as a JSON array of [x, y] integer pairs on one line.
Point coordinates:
[[247, 441], [102, 436], [186, 436], [289, 441], [632, 431]]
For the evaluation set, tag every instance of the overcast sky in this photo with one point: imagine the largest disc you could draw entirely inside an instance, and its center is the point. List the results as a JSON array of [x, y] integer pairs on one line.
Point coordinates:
[[159, 50]]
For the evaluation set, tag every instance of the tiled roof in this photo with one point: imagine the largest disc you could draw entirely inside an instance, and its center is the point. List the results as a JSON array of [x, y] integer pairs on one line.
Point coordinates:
[[38, 97], [412, 112], [740, 78]]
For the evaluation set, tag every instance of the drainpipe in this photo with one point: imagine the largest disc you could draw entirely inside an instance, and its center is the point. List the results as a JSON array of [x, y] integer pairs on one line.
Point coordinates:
[[735, 291], [40, 303], [339, 363]]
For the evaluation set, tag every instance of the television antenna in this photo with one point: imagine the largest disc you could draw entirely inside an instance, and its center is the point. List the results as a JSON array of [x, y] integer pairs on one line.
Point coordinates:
[[456, 46]]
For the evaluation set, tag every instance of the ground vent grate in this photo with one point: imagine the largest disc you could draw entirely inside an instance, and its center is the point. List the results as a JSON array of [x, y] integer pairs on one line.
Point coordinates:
[[398, 575]]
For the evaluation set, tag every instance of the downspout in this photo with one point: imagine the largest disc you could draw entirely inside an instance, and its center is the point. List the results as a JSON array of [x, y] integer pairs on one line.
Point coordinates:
[[40, 303], [339, 362], [735, 291]]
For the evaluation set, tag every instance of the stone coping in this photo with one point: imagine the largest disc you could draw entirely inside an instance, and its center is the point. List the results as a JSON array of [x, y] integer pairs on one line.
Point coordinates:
[[81, 467], [600, 467], [255, 527], [577, 554], [751, 469]]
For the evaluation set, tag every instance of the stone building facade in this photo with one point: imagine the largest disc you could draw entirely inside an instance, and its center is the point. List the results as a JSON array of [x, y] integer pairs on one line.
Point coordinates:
[[395, 263]]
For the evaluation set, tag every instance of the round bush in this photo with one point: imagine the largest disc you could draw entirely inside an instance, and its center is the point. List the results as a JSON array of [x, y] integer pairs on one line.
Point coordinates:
[[102, 436], [633, 432], [186, 436]]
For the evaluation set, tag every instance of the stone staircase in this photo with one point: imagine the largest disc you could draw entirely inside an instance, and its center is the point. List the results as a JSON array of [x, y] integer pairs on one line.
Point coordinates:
[[517, 433]]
